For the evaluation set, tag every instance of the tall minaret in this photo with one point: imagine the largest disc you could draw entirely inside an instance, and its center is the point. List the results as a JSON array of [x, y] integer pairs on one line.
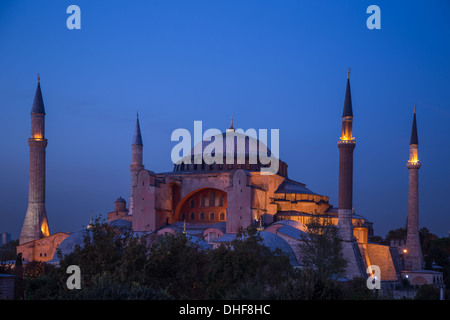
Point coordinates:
[[35, 225], [346, 145], [413, 255], [136, 161]]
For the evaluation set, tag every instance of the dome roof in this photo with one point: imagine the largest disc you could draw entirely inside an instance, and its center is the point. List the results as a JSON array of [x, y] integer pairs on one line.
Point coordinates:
[[68, 244], [276, 242], [120, 199], [292, 223], [270, 240], [121, 224], [232, 142]]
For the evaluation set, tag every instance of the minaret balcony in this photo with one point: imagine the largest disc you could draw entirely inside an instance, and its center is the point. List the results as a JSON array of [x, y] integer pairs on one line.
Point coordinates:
[[347, 140], [413, 164]]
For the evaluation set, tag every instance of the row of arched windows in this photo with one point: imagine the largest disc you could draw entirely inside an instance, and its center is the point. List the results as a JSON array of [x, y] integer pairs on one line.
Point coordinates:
[[211, 200], [201, 216]]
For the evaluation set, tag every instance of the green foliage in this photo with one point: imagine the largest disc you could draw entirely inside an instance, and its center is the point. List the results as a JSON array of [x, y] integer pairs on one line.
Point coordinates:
[[247, 269], [322, 251], [427, 292], [177, 265], [120, 266], [397, 234]]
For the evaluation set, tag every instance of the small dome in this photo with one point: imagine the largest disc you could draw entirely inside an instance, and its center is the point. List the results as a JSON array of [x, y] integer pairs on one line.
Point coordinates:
[[274, 241], [68, 244], [121, 225], [120, 199]]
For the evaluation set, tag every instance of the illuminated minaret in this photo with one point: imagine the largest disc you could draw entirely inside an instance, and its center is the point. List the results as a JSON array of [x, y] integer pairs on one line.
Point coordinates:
[[346, 146], [35, 225], [413, 254], [136, 161]]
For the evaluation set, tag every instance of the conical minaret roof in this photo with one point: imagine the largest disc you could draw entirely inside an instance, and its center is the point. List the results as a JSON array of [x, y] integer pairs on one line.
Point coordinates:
[[414, 138], [348, 110], [137, 139], [38, 103]]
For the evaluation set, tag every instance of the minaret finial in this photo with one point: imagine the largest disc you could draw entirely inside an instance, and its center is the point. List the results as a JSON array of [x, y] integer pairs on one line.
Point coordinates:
[[39, 78], [414, 138], [231, 124], [137, 114], [348, 73]]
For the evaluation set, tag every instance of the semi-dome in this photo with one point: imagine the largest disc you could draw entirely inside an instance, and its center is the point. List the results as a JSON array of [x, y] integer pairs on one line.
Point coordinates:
[[68, 245], [274, 242]]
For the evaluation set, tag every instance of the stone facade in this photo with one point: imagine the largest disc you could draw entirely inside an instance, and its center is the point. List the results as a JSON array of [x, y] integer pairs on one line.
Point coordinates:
[[41, 249]]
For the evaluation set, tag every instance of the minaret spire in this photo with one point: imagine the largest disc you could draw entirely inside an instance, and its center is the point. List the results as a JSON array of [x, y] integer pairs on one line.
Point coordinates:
[[348, 110], [35, 225], [137, 139], [414, 138]]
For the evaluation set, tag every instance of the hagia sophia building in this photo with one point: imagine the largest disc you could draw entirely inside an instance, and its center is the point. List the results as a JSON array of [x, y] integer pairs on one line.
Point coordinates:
[[211, 202]]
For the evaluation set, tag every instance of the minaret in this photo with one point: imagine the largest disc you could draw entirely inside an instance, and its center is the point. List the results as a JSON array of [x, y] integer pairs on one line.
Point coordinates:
[[35, 225], [346, 145], [413, 254], [136, 161]]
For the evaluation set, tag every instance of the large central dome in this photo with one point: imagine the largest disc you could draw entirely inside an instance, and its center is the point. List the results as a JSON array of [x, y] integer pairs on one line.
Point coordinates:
[[235, 143], [237, 150]]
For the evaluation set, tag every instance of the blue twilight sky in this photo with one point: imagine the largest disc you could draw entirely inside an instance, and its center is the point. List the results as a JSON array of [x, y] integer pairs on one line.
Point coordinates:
[[272, 64]]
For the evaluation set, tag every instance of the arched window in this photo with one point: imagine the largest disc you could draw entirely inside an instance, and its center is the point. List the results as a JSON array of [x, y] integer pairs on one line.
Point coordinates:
[[202, 216], [212, 199], [192, 203], [192, 216], [222, 216], [221, 201], [212, 216], [203, 201], [183, 216]]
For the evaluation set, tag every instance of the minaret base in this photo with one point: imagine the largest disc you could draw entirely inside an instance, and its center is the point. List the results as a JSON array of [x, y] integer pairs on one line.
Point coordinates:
[[35, 225], [355, 263], [345, 226]]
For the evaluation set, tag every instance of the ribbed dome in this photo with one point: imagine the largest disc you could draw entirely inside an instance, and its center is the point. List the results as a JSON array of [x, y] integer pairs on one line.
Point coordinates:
[[237, 144], [246, 151]]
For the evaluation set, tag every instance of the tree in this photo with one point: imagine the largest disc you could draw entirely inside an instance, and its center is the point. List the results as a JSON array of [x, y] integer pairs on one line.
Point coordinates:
[[177, 265], [111, 265], [247, 269], [321, 250], [397, 234]]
